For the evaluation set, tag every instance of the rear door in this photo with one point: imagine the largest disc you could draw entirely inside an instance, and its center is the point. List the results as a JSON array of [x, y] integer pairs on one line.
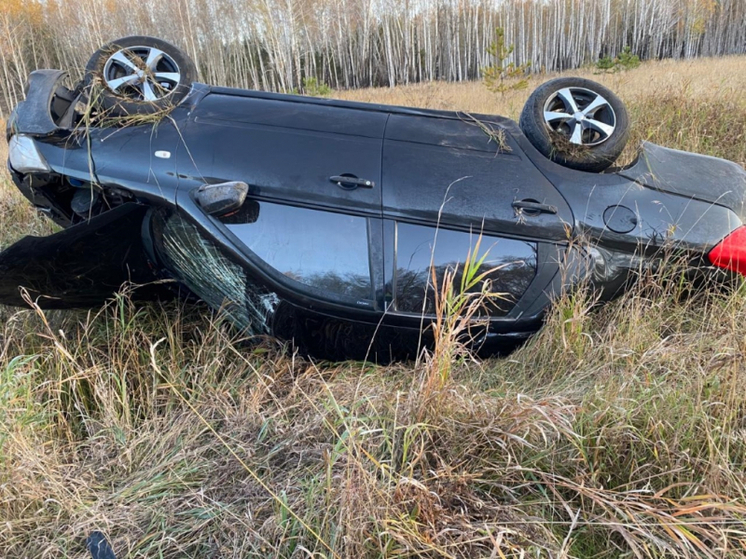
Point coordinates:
[[454, 188], [467, 171]]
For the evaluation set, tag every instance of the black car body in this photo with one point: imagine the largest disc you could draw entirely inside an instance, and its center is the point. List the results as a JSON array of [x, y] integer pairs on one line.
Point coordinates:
[[327, 222]]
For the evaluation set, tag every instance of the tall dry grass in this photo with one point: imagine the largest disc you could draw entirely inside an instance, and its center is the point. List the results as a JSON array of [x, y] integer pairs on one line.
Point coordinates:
[[694, 105], [615, 432], [611, 432]]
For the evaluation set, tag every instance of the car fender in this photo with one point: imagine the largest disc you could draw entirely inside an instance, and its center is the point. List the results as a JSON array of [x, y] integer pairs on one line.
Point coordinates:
[[33, 115]]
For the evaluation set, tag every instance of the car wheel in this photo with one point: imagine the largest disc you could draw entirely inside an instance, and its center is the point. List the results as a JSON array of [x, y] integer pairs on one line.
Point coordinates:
[[138, 75], [576, 122]]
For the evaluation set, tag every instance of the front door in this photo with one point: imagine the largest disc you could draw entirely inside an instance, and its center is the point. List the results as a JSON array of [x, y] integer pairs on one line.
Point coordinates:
[[287, 150], [311, 222]]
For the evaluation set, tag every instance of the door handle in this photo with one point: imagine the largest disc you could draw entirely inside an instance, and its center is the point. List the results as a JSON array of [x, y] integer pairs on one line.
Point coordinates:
[[533, 207], [351, 182]]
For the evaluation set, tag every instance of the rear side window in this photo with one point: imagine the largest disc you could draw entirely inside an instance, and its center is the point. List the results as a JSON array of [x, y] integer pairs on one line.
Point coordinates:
[[323, 250], [424, 254]]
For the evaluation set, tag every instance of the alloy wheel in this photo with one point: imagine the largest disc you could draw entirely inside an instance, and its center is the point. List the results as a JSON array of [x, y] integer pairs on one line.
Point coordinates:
[[143, 73], [583, 116]]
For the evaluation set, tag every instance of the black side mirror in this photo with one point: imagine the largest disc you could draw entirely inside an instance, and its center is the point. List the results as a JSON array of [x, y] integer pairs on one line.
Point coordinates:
[[221, 198], [248, 213]]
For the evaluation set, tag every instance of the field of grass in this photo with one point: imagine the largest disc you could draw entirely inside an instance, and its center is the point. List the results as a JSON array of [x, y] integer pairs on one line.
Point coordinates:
[[615, 432], [695, 105]]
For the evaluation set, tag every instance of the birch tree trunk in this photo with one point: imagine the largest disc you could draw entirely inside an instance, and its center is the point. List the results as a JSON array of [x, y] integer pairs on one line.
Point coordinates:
[[275, 44]]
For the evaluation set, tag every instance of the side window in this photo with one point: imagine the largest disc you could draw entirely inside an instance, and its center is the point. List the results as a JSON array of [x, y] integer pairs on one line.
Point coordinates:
[[323, 250], [211, 274], [424, 254]]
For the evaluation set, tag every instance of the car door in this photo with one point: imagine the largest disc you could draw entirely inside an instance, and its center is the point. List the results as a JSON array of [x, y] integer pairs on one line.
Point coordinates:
[[311, 223], [468, 170], [461, 187], [288, 148]]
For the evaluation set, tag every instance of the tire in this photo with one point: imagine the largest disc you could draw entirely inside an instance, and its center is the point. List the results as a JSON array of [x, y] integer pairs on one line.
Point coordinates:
[[588, 130], [138, 75]]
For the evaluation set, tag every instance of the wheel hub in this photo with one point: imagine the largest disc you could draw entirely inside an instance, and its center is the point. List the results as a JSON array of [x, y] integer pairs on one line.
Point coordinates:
[[143, 73], [583, 116]]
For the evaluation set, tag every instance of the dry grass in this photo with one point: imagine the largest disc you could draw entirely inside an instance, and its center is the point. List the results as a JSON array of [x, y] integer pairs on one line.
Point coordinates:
[[697, 105], [616, 432], [699, 79]]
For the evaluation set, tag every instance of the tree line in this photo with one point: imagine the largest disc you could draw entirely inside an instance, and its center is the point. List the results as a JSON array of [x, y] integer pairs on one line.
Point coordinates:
[[278, 44]]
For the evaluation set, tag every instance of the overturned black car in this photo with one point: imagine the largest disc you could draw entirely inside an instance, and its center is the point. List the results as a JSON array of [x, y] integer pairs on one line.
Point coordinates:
[[332, 223]]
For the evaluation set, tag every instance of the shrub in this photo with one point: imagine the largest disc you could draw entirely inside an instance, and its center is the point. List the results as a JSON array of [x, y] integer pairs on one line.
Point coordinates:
[[623, 61]]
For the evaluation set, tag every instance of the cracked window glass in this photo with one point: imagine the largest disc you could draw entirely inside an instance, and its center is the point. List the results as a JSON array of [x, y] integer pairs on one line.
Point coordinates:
[[221, 283]]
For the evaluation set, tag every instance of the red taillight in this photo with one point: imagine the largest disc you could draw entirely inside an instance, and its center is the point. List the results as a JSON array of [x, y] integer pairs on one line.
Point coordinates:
[[731, 252]]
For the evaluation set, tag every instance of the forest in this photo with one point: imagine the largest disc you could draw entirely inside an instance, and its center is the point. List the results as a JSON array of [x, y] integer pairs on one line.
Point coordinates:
[[616, 431], [277, 44]]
